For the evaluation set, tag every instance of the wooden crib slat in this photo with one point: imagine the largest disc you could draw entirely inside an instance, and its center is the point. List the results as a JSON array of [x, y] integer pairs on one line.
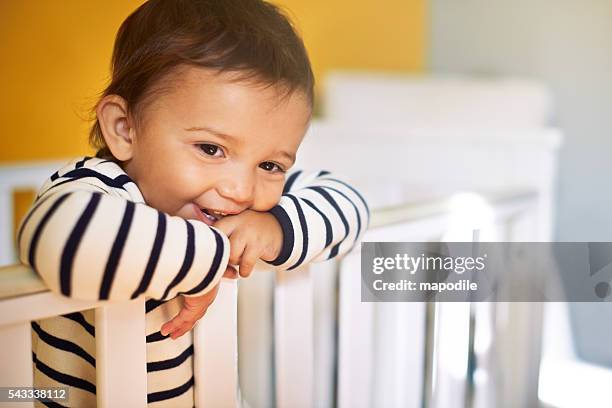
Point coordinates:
[[121, 360], [294, 338], [355, 342], [216, 351]]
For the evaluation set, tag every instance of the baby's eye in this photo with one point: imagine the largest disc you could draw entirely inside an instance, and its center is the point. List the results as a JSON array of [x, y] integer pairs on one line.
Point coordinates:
[[211, 149], [271, 167]]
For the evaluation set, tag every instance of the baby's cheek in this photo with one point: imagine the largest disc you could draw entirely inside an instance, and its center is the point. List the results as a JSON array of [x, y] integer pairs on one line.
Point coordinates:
[[268, 197]]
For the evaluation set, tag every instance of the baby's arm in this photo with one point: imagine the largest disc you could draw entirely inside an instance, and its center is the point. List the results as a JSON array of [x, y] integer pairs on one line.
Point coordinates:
[[88, 244], [318, 217], [321, 217]]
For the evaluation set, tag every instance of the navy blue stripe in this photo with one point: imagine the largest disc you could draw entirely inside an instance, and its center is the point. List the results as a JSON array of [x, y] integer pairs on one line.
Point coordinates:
[[290, 181], [170, 363], [173, 393], [288, 238], [157, 336], [187, 260], [323, 173], [115, 254], [80, 163], [354, 206], [37, 203], [321, 190], [160, 236], [50, 404], [73, 242], [63, 344], [117, 182], [363, 201], [54, 176], [59, 184], [152, 304], [328, 226], [80, 319], [214, 267], [304, 228], [40, 227], [63, 378]]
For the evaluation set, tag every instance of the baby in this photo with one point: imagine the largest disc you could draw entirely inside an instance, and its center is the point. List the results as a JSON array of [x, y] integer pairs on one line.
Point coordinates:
[[207, 106]]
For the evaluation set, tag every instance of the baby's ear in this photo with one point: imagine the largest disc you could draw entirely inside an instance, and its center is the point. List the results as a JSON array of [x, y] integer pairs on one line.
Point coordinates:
[[116, 126]]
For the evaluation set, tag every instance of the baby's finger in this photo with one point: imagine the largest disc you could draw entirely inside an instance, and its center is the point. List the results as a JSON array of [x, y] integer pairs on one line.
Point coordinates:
[[230, 272], [168, 328], [226, 225], [187, 325], [178, 333], [183, 317], [247, 263], [237, 247]]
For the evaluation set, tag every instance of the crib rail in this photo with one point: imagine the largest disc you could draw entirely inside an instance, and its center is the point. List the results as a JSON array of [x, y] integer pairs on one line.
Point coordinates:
[[120, 326], [120, 341]]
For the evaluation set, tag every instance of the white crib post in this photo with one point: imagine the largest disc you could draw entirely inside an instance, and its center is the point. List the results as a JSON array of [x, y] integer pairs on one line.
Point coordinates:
[[6, 224], [293, 339], [215, 354], [121, 358], [355, 343], [14, 177]]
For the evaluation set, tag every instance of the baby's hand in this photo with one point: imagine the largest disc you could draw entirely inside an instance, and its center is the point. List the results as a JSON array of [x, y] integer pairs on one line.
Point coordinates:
[[194, 308], [253, 235]]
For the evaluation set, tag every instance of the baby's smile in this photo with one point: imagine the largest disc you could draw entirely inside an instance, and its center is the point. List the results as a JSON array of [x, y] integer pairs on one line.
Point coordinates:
[[213, 214], [208, 215]]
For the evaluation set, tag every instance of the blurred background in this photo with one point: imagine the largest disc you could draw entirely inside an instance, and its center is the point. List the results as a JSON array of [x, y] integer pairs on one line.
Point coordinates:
[[464, 74]]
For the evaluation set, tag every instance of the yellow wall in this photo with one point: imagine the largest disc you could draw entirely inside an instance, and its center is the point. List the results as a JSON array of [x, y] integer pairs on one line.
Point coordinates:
[[55, 59], [360, 34], [56, 54]]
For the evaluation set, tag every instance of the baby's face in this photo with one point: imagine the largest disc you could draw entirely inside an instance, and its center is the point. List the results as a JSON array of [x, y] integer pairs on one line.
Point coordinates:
[[210, 145]]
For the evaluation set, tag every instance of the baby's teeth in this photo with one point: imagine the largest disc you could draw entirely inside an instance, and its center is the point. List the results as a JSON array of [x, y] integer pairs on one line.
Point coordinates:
[[210, 217]]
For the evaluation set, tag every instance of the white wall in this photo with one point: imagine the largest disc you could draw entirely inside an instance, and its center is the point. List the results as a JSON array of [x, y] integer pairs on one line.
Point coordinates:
[[568, 45]]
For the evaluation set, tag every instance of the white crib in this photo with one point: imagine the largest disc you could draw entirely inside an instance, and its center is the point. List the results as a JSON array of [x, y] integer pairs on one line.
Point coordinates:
[[366, 375], [417, 181]]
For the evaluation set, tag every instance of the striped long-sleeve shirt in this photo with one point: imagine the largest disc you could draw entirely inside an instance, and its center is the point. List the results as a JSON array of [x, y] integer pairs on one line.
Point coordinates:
[[90, 235]]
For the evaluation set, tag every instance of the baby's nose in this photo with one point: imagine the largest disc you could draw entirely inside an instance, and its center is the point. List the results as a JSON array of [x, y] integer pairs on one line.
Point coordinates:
[[239, 190]]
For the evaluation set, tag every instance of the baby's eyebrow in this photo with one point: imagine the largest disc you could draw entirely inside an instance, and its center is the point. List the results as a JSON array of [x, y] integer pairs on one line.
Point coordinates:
[[210, 130]]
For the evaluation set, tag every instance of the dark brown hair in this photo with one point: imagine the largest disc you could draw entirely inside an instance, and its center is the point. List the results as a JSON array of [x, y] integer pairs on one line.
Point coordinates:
[[250, 37]]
